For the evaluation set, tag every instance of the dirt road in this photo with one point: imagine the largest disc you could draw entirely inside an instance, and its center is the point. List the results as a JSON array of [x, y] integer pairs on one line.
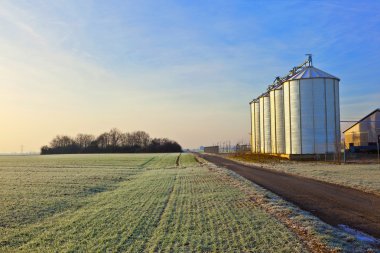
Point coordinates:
[[333, 204]]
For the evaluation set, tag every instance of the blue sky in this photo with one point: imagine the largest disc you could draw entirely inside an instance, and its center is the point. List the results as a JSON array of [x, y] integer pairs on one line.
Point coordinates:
[[179, 69]]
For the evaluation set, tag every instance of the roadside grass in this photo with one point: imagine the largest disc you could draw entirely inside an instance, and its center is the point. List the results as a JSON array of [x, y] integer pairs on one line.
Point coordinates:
[[187, 160], [316, 235], [147, 205], [365, 177]]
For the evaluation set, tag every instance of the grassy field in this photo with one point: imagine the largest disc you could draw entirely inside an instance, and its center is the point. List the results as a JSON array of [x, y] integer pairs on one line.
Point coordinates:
[[365, 177], [135, 203]]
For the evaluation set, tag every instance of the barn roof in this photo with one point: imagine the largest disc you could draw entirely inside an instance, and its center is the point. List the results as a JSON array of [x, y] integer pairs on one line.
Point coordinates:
[[373, 112]]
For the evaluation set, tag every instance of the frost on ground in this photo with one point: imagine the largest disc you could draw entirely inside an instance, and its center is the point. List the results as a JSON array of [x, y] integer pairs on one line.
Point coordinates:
[[149, 203], [365, 177], [359, 235], [317, 235]]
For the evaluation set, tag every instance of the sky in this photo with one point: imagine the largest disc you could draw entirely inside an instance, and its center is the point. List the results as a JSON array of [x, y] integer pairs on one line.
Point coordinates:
[[185, 70]]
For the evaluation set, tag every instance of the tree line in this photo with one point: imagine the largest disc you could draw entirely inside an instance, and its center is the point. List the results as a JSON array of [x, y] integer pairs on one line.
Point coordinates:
[[113, 141]]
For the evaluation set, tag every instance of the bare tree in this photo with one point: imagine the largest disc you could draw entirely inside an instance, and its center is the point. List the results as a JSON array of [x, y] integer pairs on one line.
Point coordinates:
[[84, 140], [125, 140], [137, 139], [142, 138], [129, 140], [112, 141], [62, 141], [103, 140], [116, 137]]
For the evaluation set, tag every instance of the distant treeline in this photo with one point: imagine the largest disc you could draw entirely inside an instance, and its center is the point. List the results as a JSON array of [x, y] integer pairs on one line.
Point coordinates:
[[113, 141]]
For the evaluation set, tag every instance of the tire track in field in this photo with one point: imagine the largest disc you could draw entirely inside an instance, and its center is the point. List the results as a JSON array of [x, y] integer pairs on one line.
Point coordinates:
[[161, 214], [147, 162], [177, 162], [170, 196], [147, 222]]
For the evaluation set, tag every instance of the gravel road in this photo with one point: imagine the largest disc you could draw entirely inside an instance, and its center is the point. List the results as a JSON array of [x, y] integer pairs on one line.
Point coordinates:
[[332, 203]]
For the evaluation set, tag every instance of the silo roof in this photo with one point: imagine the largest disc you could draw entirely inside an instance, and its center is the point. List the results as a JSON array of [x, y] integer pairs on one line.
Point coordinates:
[[311, 72]]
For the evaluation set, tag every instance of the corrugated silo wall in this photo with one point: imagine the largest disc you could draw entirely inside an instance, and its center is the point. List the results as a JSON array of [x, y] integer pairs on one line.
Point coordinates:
[[311, 110], [280, 131], [295, 116], [319, 112], [257, 127], [265, 125], [337, 116], [253, 128], [273, 121], [277, 121], [268, 146], [287, 125], [262, 140]]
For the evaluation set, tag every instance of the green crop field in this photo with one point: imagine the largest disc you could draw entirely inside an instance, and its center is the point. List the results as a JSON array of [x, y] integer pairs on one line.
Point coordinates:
[[131, 203]]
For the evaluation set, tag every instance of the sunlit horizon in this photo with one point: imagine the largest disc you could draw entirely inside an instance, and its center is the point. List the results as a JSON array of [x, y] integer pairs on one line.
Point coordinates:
[[176, 69]]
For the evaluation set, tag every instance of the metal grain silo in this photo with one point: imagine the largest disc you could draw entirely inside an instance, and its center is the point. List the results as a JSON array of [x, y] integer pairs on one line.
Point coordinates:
[[253, 141], [277, 120], [265, 138], [255, 126], [311, 112], [272, 100]]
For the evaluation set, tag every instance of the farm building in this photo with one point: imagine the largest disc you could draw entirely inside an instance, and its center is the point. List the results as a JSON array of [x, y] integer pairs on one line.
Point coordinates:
[[298, 114], [364, 134], [211, 149]]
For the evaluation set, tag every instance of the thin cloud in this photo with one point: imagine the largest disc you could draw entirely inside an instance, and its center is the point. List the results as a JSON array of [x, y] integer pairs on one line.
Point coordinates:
[[12, 14], [172, 68]]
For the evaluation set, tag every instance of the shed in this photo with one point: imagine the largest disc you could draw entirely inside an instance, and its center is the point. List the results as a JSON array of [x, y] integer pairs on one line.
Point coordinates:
[[365, 133]]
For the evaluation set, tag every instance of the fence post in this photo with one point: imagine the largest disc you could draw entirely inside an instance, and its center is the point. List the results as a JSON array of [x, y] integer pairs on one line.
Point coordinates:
[[344, 150], [378, 152]]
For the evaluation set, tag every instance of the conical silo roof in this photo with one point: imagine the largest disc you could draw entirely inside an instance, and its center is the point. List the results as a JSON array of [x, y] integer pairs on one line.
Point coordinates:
[[311, 72]]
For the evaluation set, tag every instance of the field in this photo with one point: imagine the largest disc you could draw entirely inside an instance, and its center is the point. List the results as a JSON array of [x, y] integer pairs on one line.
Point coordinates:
[[141, 203], [364, 177]]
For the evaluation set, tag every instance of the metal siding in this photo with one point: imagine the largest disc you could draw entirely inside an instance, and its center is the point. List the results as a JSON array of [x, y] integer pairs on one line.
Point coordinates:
[[262, 135], [319, 116], [287, 118], [307, 116], [253, 140], [267, 138], [295, 127], [273, 121], [337, 111], [257, 126], [280, 131], [330, 115]]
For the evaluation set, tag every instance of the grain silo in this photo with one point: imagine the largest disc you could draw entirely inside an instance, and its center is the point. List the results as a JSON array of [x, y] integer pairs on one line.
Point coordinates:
[[311, 103], [277, 120], [265, 139], [253, 134], [299, 115], [255, 126]]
